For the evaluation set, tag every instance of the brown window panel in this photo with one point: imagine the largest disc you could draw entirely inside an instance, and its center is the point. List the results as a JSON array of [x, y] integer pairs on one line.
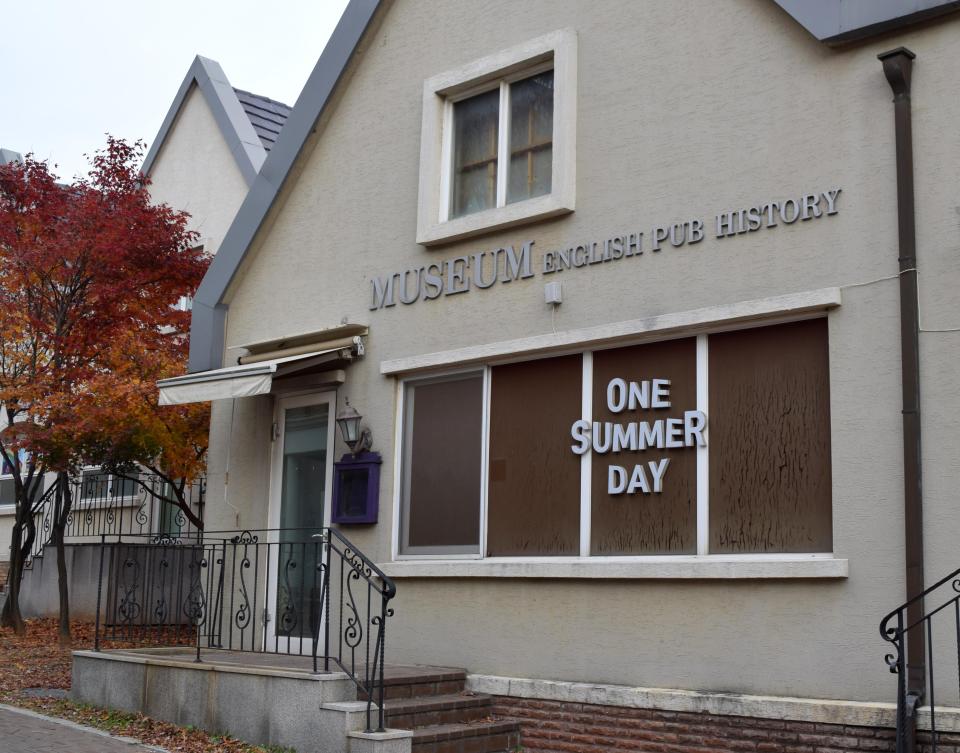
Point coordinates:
[[655, 523], [769, 437], [534, 484], [442, 468]]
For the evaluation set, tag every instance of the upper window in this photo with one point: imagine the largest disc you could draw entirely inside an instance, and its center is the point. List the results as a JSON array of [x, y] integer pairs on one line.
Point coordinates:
[[498, 141], [517, 116]]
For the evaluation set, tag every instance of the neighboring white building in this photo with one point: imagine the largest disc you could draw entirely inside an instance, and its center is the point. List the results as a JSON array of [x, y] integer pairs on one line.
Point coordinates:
[[210, 147], [205, 156]]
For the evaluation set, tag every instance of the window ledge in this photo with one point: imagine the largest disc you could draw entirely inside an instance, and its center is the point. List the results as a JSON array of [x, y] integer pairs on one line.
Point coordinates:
[[522, 212], [652, 568]]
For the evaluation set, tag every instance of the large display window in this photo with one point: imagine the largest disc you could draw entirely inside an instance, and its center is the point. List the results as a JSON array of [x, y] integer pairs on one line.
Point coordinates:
[[714, 444]]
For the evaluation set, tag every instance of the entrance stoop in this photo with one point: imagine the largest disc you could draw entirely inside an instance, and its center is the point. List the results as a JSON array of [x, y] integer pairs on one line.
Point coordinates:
[[272, 699], [444, 717]]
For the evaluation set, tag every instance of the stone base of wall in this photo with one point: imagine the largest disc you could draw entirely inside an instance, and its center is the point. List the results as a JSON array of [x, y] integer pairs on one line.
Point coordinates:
[[567, 727]]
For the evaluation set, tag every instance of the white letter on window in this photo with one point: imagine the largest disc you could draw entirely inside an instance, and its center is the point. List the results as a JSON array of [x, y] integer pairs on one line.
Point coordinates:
[[616, 479], [657, 471], [580, 431], [694, 422], [638, 481], [661, 393], [674, 433], [616, 395]]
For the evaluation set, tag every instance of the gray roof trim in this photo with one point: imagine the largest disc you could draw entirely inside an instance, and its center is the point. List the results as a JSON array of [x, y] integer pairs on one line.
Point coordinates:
[[209, 311], [835, 22], [237, 130]]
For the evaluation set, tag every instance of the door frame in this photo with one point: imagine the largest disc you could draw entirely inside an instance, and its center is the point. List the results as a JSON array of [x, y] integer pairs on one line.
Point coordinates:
[[281, 405]]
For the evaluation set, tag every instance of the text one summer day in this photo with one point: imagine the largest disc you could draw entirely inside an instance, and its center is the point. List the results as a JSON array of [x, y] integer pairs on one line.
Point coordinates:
[[636, 436]]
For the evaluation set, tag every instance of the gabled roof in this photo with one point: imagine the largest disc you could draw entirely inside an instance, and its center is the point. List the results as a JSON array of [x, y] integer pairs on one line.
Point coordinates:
[[209, 313], [249, 123], [836, 22], [830, 21], [8, 155], [266, 115]]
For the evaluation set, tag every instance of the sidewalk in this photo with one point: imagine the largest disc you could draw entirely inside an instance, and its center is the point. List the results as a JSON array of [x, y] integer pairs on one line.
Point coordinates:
[[23, 731]]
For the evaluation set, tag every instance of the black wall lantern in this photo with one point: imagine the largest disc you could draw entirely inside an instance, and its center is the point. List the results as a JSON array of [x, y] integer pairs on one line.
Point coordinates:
[[356, 478], [349, 422]]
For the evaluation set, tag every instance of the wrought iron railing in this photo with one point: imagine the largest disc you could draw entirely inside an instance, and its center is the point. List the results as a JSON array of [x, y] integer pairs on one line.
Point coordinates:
[[105, 504], [914, 621], [301, 592]]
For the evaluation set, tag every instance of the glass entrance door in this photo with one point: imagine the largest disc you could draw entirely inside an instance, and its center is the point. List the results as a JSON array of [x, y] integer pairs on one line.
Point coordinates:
[[300, 483]]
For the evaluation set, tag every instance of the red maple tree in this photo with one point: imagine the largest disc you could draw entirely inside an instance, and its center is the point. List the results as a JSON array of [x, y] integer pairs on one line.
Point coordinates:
[[88, 271]]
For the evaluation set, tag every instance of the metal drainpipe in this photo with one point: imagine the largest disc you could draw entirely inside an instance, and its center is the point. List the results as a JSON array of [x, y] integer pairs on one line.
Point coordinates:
[[897, 67]]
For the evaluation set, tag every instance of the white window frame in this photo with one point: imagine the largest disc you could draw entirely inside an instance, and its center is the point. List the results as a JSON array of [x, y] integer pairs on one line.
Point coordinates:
[[556, 51], [702, 564], [108, 500], [402, 447]]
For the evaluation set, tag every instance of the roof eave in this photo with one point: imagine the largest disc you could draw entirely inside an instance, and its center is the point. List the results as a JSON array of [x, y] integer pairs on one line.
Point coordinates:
[[839, 22]]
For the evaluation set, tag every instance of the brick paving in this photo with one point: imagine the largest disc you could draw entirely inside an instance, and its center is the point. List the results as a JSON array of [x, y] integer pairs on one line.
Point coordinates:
[[24, 731]]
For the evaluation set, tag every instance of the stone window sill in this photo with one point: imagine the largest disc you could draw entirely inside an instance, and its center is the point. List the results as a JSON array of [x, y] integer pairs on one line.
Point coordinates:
[[716, 567]]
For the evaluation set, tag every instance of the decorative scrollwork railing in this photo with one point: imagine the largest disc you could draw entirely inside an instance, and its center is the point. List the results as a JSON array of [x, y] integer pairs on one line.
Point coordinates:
[[104, 504], [914, 621], [302, 592]]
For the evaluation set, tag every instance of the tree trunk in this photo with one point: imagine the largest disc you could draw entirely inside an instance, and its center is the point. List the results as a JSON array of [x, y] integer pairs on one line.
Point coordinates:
[[61, 511], [11, 617]]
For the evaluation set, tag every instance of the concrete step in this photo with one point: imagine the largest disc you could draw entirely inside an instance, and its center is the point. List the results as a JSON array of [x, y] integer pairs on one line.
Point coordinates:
[[423, 711], [474, 737]]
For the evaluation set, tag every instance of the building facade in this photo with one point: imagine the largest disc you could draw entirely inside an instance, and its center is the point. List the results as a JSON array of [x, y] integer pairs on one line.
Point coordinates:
[[620, 290]]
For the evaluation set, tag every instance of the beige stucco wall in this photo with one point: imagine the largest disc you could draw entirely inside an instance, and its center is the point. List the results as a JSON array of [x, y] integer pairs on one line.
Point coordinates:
[[195, 172], [685, 109]]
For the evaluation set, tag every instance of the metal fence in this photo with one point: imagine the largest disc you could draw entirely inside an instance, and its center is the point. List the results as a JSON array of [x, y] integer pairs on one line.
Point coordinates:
[[938, 605], [109, 505], [301, 592]]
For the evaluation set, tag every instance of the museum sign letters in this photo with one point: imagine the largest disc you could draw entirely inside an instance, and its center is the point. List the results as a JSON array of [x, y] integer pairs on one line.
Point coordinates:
[[484, 269]]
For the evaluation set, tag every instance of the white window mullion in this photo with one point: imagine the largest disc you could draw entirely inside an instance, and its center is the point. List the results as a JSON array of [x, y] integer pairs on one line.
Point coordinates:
[[484, 461], [703, 457], [586, 460], [398, 445], [503, 144], [446, 160]]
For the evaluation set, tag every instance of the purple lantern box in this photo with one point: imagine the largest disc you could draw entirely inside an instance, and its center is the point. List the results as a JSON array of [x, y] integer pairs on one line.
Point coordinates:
[[356, 488]]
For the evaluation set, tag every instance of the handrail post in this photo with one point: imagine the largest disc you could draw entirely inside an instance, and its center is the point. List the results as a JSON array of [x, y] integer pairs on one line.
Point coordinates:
[[96, 630], [326, 622], [383, 641]]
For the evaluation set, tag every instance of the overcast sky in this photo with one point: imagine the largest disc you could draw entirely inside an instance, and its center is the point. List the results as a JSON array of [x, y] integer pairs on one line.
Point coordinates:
[[73, 71]]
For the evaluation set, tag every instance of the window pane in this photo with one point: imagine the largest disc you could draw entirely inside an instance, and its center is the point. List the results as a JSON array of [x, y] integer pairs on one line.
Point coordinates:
[[124, 487], [95, 485], [8, 491], [534, 490], [443, 433], [531, 137], [475, 124], [662, 522], [770, 440]]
